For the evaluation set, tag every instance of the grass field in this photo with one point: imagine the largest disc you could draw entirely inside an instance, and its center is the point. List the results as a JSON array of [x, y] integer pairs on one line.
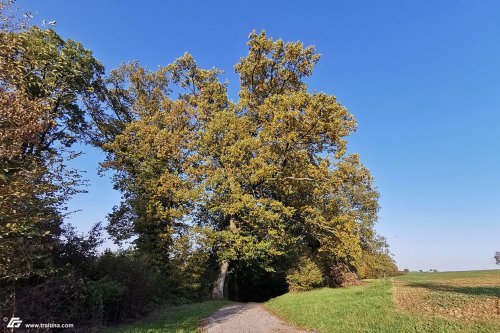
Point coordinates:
[[178, 319], [417, 302]]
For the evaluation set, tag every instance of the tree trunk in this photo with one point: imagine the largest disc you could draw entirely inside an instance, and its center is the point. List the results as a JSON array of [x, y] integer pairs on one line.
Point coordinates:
[[236, 287], [218, 290]]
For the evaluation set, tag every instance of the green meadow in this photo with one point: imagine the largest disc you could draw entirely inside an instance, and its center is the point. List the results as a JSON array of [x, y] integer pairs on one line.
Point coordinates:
[[379, 306]]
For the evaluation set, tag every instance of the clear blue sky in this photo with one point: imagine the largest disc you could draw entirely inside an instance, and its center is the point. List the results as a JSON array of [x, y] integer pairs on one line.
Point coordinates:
[[422, 79]]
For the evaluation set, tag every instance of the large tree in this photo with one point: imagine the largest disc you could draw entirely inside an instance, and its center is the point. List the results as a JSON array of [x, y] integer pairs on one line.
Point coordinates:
[[45, 83], [265, 179]]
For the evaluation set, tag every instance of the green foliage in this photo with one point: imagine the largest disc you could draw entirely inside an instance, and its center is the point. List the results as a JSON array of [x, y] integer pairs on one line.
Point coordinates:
[[125, 286], [49, 90], [376, 265], [62, 73], [44, 85], [88, 288], [61, 292], [306, 276], [189, 268]]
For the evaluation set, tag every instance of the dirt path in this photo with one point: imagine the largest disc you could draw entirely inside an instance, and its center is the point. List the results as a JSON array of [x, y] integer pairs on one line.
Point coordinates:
[[246, 318]]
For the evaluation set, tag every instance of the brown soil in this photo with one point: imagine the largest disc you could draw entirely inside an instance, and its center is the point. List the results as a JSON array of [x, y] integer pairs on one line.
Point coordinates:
[[446, 302]]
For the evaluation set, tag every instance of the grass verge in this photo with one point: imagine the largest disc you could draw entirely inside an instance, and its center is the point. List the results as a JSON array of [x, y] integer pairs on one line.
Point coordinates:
[[175, 319]]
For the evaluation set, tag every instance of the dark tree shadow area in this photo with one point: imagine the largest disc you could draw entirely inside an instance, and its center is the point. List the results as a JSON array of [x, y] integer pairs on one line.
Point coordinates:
[[254, 284]]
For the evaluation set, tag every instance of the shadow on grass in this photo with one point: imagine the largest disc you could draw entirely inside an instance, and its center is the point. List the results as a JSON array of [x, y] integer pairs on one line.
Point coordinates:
[[492, 291]]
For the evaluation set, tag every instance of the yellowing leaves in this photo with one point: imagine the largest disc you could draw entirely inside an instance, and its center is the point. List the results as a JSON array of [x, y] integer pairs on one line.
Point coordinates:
[[265, 175]]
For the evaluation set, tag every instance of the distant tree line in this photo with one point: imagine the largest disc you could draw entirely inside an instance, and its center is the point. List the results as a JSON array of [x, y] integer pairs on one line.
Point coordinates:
[[244, 199]]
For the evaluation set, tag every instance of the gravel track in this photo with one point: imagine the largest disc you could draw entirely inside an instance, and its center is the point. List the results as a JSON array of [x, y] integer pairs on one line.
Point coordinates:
[[246, 318]]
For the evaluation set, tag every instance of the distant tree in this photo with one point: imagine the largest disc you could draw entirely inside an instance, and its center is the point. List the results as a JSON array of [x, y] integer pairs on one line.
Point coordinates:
[[376, 260], [497, 257], [376, 265]]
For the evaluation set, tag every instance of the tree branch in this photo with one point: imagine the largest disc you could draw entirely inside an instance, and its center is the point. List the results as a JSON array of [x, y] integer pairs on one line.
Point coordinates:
[[301, 178]]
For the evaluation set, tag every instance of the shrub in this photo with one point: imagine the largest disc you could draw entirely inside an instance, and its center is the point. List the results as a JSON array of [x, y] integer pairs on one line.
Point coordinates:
[[376, 265], [85, 288], [306, 276], [125, 287], [343, 276]]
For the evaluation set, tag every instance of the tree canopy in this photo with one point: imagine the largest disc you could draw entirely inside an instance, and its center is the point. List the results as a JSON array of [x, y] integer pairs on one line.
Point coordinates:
[[262, 179]]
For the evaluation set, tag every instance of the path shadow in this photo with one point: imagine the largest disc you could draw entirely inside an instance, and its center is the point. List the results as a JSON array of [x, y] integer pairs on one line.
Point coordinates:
[[225, 313]]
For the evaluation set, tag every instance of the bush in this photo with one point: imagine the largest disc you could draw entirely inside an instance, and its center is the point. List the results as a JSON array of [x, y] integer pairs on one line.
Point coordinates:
[[45, 299], [306, 276], [125, 287], [85, 288]]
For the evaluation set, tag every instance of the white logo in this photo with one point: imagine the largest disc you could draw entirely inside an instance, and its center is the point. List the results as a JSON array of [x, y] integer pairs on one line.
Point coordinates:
[[14, 322]]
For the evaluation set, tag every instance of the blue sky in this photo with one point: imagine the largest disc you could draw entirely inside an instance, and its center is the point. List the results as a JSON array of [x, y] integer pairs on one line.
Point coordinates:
[[422, 79]]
